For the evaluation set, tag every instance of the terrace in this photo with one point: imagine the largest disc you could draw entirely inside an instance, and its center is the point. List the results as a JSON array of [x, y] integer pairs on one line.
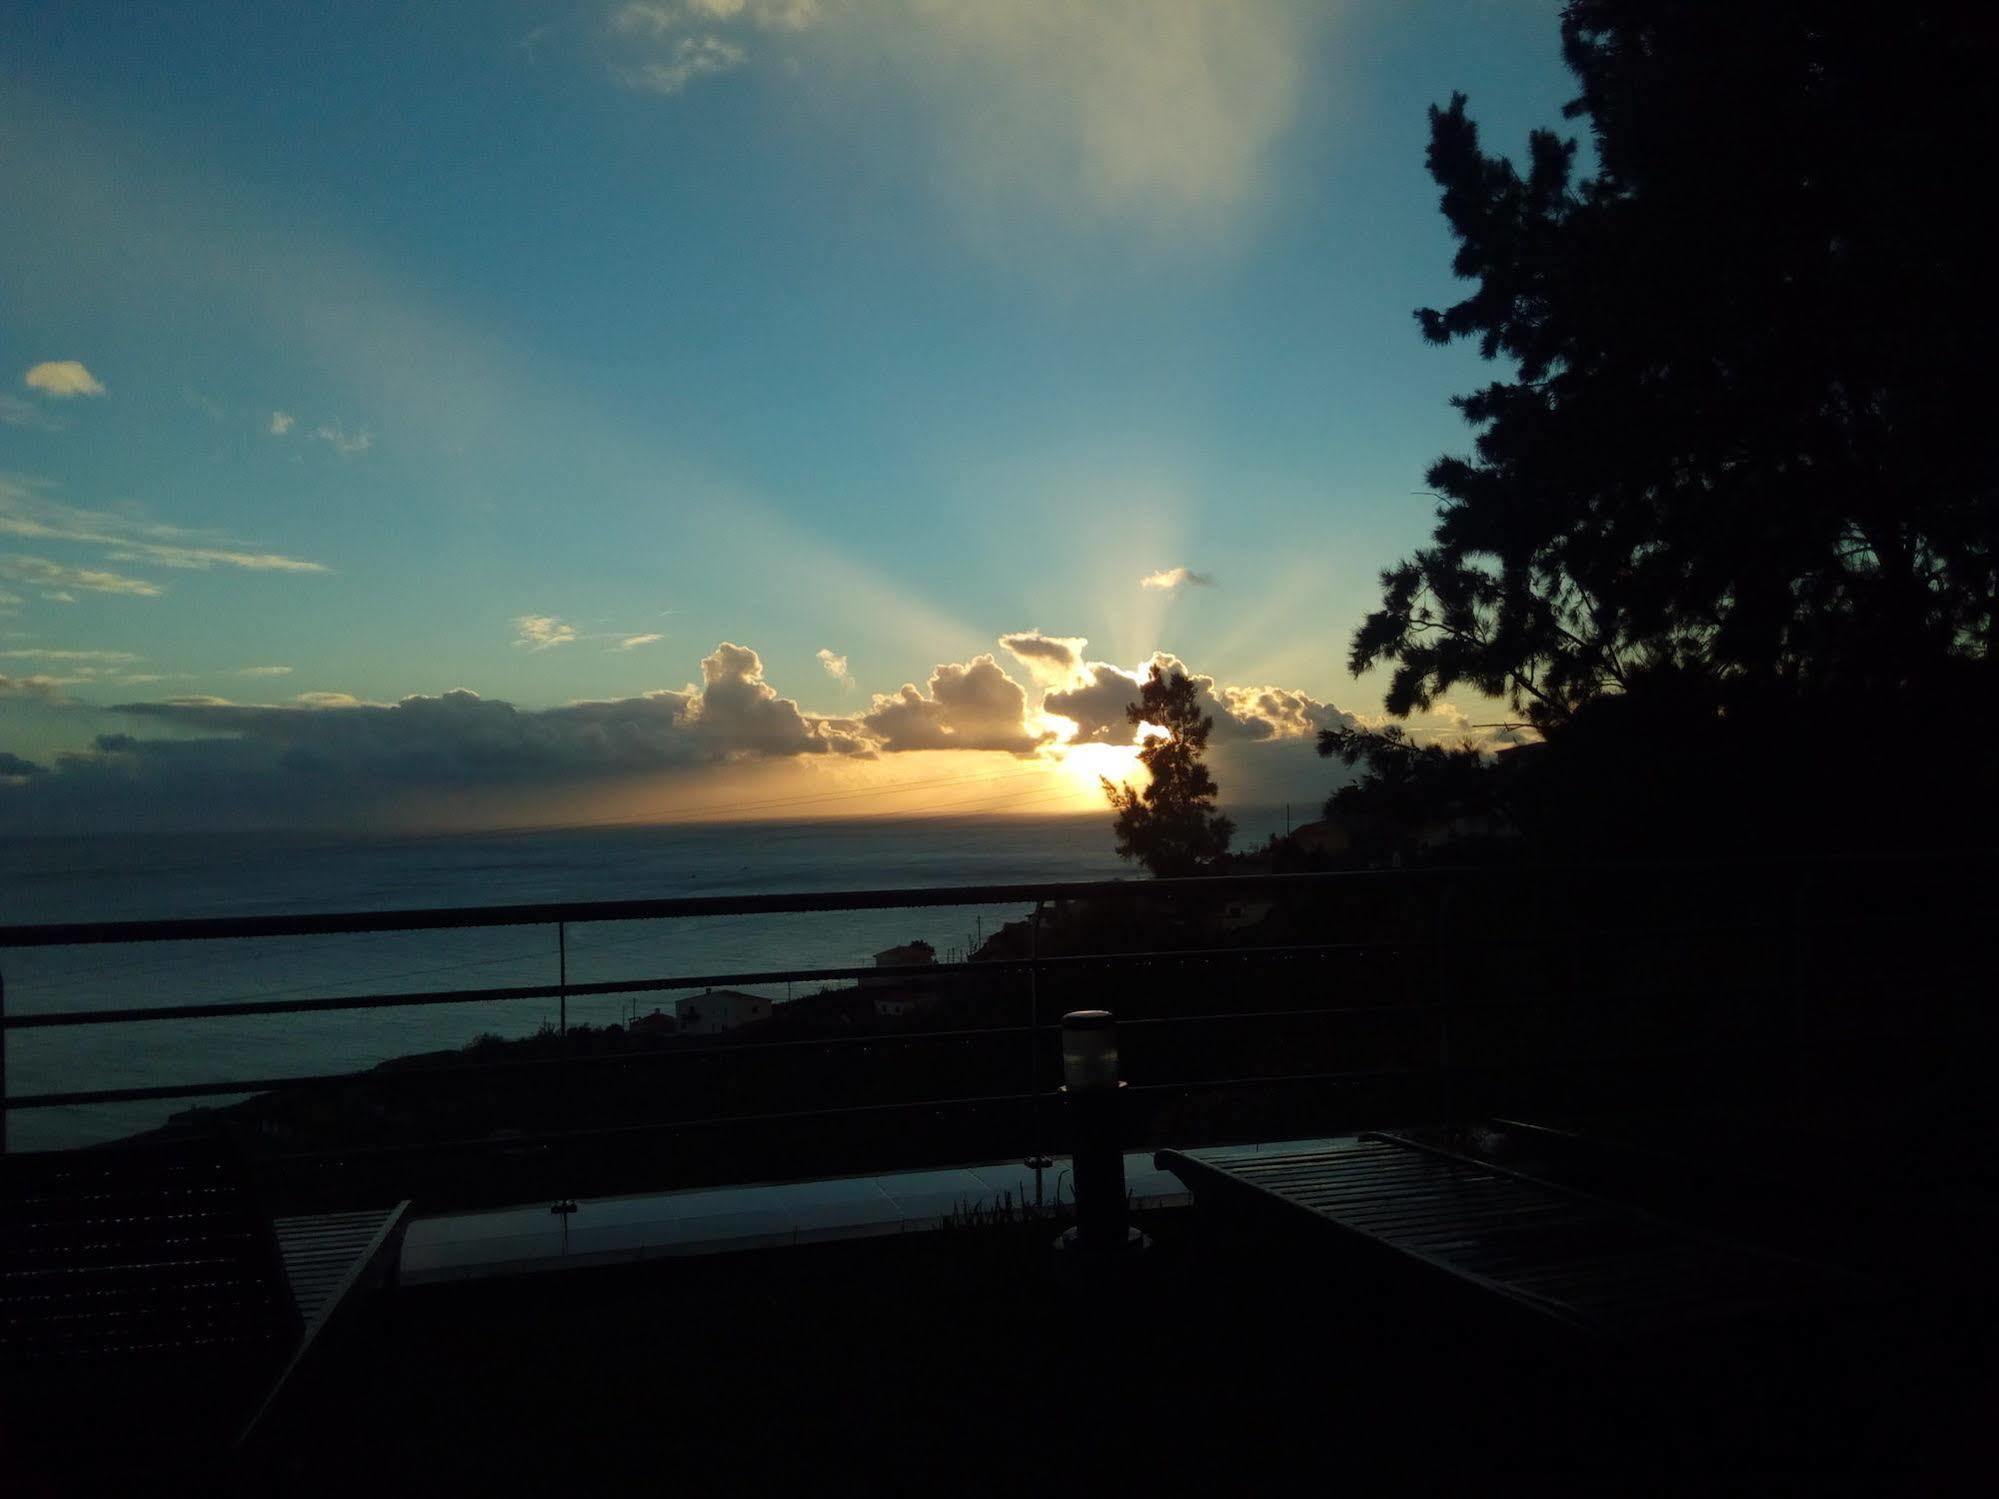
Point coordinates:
[[792, 1255]]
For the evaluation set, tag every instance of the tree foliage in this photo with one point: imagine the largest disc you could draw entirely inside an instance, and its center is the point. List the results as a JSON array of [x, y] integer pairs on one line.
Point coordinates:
[[1743, 451], [1171, 827]]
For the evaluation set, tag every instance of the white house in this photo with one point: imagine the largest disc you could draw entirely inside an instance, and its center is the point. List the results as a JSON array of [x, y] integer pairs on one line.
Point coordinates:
[[716, 1010]]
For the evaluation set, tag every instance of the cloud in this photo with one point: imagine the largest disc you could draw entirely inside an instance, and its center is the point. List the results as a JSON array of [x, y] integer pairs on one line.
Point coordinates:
[[56, 576], [263, 671], [14, 768], [10, 601], [540, 631], [329, 754], [41, 653], [975, 706], [39, 688], [835, 665], [281, 423], [62, 378], [692, 57], [60, 597], [345, 444], [1097, 706], [1163, 112], [15, 412], [1051, 659], [25, 511], [633, 642], [1172, 579]]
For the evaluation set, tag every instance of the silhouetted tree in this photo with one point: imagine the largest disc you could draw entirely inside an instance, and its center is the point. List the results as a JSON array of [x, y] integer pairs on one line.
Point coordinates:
[[1744, 451], [1408, 791], [1171, 827]]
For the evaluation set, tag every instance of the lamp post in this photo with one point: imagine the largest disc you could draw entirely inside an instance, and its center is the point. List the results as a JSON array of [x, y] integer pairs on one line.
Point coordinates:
[[1091, 1086]]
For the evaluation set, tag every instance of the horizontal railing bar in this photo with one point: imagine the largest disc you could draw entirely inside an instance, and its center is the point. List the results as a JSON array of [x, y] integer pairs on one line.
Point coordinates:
[[642, 1057], [902, 977], [86, 933]]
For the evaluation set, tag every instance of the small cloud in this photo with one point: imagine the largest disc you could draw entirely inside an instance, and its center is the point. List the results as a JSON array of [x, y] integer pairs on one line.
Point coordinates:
[[14, 768], [1053, 660], [63, 378], [1172, 579], [281, 423], [208, 406], [692, 57], [55, 576], [41, 687], [25, 512], [540, 631], [107, 658], [346, 445], [327, 700], [836, 666], [633, 642], [264, 671], [15, 412]]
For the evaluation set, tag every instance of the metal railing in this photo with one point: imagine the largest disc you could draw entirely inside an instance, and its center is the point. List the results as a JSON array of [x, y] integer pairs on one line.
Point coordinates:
[[1431, 930]]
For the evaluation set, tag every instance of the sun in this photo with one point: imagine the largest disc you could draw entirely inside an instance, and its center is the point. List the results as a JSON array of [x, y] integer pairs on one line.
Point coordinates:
[[1082, 766]]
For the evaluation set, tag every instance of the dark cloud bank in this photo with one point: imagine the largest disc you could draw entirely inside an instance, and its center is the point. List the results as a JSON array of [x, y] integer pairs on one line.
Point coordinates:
[[193, 762]]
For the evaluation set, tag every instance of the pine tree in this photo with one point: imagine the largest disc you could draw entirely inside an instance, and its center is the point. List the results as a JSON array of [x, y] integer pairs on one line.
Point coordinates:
[[1171, 827], [1744, 452]]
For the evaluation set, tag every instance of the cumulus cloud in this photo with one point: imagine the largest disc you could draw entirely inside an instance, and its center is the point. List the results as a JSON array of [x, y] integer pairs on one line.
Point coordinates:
[[691, 57], [835, 665], [26, 511], [56, 576], [281, 423], [1097, 705], [633, 642], [1172, 579], [540, 631], [63, 379], [14, 768], [976, 706], [346, 444], [328, 748], [1050, 659]]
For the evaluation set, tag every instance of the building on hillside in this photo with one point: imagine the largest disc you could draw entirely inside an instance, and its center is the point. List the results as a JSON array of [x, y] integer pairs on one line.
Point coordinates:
[[910, 955], [657, 1023], [713, 1011]]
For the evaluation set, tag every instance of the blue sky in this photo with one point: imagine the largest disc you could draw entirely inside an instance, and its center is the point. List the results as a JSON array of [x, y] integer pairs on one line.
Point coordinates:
[[874, 327]]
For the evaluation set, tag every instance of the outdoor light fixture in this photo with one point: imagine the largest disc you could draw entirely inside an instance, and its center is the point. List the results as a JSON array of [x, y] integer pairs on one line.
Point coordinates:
[[1089, 1051], [1090, 1083]]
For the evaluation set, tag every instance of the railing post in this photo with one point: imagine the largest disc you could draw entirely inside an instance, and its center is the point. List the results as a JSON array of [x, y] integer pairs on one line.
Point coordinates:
[[562, 972], [1800, 994], [3, 1064], [1444, 1077], [1037, 1157]]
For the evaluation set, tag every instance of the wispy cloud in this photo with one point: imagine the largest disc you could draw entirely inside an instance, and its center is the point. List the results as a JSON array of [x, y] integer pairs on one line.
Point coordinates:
[[540, 631], [106, 658], [1172, 579], [836, 666], [346, 444], [633, 642], [15, 412], [281, 423], [264, 671], [1163, 112], [24, 512], [62, 378], [55, 576]]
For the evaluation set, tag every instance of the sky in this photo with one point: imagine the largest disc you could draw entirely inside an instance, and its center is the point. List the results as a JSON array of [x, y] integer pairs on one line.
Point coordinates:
[[518, 412]]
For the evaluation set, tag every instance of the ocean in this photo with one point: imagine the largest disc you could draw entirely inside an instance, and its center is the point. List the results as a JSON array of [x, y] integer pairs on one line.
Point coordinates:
[[180, 876]]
